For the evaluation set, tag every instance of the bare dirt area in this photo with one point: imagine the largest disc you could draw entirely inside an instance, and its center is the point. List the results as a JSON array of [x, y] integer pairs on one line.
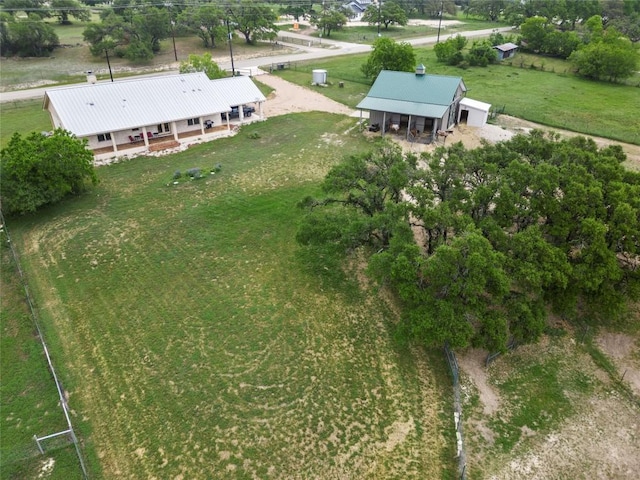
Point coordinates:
[[523, 422], [624, 351], [291, 98]]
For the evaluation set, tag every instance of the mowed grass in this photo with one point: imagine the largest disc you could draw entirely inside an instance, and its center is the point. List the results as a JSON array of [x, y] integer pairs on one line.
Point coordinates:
[[200, 341], [550, 98], [22, 117], [28, 395]]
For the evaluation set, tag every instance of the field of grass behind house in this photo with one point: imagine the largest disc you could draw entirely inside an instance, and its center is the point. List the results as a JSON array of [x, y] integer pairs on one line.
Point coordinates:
[[200, 341], [550, 97]]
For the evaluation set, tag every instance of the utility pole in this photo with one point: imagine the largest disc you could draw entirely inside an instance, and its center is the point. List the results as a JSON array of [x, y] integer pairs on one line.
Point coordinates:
[[440, 21], [173, 33], [233, 70], [106, 52]]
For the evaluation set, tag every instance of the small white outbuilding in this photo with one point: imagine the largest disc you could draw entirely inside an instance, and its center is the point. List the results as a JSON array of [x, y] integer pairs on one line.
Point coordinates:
[[473, 112]]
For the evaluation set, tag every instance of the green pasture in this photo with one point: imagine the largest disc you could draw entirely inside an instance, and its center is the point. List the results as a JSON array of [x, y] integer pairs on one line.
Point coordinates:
[[22, 117], [28, 397], [197, 339], [550, 97]]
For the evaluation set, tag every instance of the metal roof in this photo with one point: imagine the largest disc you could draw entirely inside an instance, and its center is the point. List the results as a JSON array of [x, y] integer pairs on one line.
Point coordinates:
[[238, 90], [406, 108], [412, 94], [112, 106], [506, 47], [476, 104]]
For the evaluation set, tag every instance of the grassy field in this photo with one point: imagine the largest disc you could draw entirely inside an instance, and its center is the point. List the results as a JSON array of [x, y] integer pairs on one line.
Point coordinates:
[[201, 342], [367, 34], [29, 398], [547, 97]]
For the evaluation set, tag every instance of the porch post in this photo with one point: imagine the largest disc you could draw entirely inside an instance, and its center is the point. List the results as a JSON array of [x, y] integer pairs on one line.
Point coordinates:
[[175, 131], [201, 126], [145, 137], [260, 110], [409, 127], [113, 141], [384, 121], [241, 113]]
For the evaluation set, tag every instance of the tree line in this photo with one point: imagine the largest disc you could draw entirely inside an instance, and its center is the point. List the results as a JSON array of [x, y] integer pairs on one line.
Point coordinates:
[[480, 244]]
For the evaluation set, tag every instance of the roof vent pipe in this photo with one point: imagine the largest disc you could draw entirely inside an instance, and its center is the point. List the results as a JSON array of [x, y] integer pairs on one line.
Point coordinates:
[[420, 70]]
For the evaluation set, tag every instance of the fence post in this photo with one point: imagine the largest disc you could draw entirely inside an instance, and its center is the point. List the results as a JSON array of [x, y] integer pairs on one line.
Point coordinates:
[[35, 437]]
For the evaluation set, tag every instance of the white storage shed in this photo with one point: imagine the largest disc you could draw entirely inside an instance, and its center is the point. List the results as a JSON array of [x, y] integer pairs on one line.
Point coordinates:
[[473, 112]]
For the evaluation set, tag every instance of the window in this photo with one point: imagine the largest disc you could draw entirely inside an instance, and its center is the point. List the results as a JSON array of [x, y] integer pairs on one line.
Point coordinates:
[[103, 137], [163, 127], [193, 121]]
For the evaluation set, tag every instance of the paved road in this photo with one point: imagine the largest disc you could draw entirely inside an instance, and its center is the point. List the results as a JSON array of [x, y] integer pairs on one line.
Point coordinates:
[[308, 53]]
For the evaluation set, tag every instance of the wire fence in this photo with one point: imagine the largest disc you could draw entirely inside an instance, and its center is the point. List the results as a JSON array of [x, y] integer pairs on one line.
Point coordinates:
[[57, 439], [492, 356], [457, 412]]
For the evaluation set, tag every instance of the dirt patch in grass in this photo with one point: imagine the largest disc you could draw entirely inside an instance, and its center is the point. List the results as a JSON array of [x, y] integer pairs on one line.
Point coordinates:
[[558, 416], [472, 363], [624, 351]]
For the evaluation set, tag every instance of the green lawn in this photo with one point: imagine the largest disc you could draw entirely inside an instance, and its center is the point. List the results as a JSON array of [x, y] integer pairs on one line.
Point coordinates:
[[199, 340], [547, 97], [28, 396], [22, 117]]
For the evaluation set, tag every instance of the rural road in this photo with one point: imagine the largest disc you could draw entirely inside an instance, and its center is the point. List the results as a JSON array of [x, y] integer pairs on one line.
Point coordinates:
[[309, 53]]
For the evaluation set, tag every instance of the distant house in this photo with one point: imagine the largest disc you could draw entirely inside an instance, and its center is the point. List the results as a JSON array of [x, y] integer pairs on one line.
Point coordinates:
[[356, 8], [413, 103], [506, 50], [141, 115]]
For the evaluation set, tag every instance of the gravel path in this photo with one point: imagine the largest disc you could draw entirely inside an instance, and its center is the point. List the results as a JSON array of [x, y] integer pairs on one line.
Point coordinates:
[[292, 98]]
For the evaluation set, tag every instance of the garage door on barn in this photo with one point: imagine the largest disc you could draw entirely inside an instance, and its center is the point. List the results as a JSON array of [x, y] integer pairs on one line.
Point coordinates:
[[473, 112]]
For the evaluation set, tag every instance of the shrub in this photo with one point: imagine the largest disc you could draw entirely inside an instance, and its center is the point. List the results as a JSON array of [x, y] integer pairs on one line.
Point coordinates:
[[194, 173], [177, 174]]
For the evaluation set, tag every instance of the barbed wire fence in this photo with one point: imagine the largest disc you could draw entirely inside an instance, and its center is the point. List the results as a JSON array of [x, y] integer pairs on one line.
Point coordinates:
[[457, 412], [69, 433]]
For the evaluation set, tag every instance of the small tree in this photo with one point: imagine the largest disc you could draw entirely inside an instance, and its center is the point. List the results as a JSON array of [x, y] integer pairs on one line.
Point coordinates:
[[255, 21], [329, 20], [450, 51], [202, 63], [63, 9], [481, 54], [388, 55], [40, 170], [386, 14], [612, 57], [32, 37]]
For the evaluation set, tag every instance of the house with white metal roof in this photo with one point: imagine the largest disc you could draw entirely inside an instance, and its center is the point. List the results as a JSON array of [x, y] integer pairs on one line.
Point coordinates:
[[413, 103], [150, 114]]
